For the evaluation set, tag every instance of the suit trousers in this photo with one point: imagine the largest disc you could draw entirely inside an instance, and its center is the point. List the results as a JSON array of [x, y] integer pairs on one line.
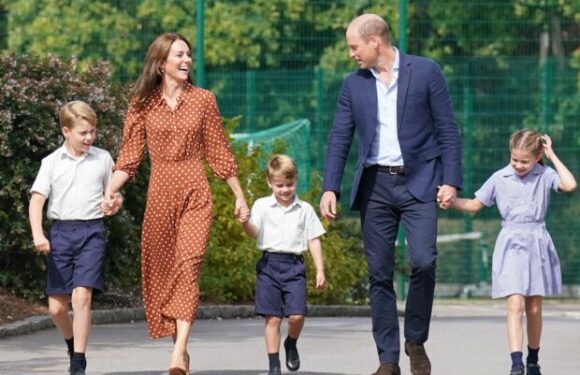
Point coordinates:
[[386, 202]]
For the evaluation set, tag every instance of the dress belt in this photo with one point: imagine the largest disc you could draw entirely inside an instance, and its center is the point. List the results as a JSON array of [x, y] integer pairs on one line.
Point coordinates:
[[523, 225], [391, 169]]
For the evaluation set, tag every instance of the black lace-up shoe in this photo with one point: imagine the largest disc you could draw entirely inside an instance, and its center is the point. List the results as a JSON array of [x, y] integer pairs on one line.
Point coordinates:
[[292, 357], [533, 369]]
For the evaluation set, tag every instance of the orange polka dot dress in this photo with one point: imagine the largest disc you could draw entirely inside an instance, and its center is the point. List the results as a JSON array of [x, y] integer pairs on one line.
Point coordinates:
[[178, 212]]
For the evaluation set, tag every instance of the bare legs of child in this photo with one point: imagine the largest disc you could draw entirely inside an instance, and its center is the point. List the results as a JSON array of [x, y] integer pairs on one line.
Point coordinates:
[[75, 332], [517, 305], [272, 336]]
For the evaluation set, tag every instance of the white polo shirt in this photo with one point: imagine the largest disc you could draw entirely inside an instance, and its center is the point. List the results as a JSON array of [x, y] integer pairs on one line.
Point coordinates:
[[74, 186], [285, 229]]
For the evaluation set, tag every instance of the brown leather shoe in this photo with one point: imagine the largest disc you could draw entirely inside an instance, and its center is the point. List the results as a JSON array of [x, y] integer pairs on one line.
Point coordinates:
[[420, 364], [388, 369]]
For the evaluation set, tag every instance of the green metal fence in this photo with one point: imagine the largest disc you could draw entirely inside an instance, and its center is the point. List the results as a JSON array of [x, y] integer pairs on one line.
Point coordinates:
[[509, 64]]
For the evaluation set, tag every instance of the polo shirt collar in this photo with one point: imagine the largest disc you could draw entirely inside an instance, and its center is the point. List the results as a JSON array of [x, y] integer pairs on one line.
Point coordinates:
[[63, 153], [508, 171], [271, 201], [396, 64]]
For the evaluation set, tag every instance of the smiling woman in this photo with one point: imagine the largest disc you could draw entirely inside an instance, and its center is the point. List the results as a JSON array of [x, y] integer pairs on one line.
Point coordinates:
[[182, 128]]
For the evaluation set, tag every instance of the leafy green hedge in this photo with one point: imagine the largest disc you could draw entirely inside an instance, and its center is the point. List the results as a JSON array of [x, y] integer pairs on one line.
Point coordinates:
[[32, 89]]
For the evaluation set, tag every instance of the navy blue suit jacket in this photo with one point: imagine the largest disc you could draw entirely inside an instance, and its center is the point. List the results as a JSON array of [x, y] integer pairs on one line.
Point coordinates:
[[427, 130]]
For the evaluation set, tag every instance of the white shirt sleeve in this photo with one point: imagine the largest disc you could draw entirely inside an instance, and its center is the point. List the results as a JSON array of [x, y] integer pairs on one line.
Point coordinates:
[[314, 228], [42, 183]]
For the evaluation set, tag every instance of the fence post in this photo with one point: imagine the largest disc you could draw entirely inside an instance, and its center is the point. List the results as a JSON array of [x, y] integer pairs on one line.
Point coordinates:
[[401, 278], [250, 100], [3, 29], [319, 125], [200, 44], [547, 77], [468, 167], [403, 26]]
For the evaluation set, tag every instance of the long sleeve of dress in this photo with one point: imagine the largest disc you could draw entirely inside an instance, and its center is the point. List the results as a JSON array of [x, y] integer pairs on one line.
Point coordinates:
[[133, 145], [216, 147]]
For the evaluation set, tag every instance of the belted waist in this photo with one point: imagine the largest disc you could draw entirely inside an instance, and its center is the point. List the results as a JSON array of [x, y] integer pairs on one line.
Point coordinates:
[[390, 169], [282, 257], [523, 225]]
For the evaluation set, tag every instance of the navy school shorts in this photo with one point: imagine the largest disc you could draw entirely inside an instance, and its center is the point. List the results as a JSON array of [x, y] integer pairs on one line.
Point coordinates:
[[77, 253], [280, 285]]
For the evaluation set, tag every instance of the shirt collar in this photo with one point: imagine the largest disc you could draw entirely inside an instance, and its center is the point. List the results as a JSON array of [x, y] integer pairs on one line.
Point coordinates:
[[157, 97], [396, 64], [271, 200], [65, 154], [508, 170]]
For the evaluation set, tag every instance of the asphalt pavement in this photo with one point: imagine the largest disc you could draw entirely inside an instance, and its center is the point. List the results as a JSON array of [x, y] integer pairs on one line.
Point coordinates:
[[466, 338]]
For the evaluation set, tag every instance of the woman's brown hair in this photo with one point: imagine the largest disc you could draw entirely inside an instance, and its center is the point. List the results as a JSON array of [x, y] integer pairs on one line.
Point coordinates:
[[152, 74]]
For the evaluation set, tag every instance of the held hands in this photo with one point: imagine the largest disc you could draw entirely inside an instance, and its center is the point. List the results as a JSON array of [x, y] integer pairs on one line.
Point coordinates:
[[111, 203], [446, 196], [242, 211]]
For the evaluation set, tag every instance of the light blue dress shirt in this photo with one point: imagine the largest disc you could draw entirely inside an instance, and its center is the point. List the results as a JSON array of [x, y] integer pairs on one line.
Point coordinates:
[[385, 149]]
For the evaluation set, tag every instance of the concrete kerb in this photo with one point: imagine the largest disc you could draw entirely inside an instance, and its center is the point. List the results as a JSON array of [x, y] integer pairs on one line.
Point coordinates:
[[37, 323]]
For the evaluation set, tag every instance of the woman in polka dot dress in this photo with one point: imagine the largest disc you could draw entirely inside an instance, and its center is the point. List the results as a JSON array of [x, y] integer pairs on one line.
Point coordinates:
[[181, 126]]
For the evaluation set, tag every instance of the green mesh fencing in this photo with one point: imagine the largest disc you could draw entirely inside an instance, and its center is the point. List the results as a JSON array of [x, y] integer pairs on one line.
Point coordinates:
[[295, 138]]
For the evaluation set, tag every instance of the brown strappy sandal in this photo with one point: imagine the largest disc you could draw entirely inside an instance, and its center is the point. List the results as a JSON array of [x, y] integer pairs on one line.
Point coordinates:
[[179, 370]]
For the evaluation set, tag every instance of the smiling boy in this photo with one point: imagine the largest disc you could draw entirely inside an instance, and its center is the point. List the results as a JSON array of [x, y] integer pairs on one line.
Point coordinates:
[[285, 227], [73, 180]]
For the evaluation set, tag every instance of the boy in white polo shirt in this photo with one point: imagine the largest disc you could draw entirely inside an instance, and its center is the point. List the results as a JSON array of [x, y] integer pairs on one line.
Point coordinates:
[[285, 227], [73, 180]]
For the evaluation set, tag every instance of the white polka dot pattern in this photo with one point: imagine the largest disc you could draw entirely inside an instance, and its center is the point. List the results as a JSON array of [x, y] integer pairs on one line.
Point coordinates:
[[178, 213]]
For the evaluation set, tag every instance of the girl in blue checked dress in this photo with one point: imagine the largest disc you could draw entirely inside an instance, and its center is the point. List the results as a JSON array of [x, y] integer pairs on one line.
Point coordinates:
[[525, 263]]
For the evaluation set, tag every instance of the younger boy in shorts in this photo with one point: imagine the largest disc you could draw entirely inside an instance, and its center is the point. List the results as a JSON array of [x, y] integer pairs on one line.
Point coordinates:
[[73, 180], [285, 227]]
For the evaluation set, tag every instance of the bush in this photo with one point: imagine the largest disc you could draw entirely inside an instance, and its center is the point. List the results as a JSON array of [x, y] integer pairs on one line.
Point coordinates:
[[32, 90]]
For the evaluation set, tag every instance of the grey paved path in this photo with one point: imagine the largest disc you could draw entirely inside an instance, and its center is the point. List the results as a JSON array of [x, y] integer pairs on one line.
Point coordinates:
[[467, 338]]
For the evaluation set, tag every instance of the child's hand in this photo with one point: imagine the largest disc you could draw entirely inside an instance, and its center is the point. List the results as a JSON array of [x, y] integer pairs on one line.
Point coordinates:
[[41, 244], [548, 151], [242, 211], [111, 204], [320, 280], [244, 215], [446, 196]]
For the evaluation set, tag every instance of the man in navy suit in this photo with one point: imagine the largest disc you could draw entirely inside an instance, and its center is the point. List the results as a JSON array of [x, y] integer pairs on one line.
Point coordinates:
[[409, 160]]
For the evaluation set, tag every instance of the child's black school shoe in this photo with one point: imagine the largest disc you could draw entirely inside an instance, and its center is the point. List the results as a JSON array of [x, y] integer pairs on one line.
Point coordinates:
[[533, 369], [78, 371], [292, 357], [275, 371], [517, 371]]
